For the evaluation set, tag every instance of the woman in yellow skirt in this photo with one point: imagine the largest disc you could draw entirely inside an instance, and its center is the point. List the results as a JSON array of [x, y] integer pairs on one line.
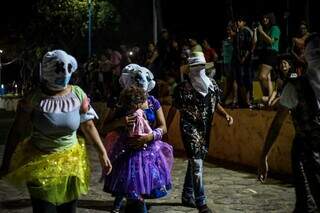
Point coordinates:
[[52, 161]]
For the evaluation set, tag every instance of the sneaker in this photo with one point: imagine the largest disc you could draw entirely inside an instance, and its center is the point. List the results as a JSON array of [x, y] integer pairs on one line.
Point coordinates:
[[249, 105], [188, 202], [115, 210]]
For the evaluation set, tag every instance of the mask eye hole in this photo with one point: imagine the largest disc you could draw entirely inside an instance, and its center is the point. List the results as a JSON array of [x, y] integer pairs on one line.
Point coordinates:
[[138, 80], [59, 67], [69, 68], [148, 77], [138, 77]]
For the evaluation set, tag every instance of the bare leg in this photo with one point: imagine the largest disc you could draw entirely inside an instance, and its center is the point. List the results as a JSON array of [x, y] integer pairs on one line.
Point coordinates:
[[265, 79], [248, 97], [270, 86], [235, 92]]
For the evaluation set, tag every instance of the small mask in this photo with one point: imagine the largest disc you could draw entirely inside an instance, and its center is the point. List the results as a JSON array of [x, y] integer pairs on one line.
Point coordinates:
[[137, 75]]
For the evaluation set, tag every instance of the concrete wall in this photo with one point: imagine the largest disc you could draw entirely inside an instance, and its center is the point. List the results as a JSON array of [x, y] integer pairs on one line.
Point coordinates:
[[242, 143]]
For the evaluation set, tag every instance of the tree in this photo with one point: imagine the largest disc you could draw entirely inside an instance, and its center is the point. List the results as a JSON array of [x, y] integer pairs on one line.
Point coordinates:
[[36, 26], [64, 23]]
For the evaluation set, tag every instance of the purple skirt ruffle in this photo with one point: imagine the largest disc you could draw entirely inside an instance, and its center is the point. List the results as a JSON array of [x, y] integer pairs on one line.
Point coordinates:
[[145, 173]]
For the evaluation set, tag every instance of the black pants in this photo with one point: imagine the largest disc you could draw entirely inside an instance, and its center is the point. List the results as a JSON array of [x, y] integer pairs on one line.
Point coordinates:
[[41, 206], [306, 172], [135, 206]]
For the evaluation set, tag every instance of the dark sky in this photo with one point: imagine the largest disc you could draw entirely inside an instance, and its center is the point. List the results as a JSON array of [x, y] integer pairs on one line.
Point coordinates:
[[202, 18], [208, 18], [15, 12], [205, 18]]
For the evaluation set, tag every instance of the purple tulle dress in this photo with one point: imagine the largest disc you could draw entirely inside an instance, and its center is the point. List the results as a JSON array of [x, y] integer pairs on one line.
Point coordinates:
[[145, 173]]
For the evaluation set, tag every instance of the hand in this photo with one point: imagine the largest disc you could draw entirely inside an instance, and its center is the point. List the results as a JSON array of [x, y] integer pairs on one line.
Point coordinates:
[[128, 120], [260, 28], [263, 170], [105, 164], [139, 142], [265, 99], [229, 119]]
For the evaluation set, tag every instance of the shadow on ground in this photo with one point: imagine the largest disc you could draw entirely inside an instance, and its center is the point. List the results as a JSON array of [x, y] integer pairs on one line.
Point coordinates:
[[85, 204], [15, 204]]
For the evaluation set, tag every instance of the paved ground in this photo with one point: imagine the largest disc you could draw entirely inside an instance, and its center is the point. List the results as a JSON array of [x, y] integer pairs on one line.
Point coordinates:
[[228, 191]]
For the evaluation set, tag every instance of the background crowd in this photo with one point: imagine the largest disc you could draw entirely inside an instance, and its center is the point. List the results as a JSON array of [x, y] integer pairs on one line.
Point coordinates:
[[249, 52]]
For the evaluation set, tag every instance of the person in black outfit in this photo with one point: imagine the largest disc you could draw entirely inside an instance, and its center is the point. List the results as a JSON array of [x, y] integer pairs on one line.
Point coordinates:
[[302, 98]]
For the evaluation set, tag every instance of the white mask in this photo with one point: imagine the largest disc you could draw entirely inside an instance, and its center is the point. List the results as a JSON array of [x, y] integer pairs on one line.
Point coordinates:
[[200, 80], [134, 74], [57, 68], [197, 74]]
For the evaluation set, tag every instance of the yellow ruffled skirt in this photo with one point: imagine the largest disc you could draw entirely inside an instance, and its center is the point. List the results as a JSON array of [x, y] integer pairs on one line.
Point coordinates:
[[57, 177]]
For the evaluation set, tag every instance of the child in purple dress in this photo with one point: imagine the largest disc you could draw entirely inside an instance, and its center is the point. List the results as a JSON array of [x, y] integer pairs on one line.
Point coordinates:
[[143, 173]]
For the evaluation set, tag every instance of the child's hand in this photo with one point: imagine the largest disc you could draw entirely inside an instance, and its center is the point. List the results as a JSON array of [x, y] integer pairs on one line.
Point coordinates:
[[105, 163], [229, 119], [128, 120], [139, 142]]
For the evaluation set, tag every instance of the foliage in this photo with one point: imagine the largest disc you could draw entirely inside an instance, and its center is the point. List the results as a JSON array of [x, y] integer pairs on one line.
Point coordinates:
[[107, 16], [40, 25], [34, 27], [65, 22], [49, 24]]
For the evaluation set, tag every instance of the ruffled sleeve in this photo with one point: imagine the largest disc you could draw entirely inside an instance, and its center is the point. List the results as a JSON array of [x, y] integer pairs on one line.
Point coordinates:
[[86, 110], [153, 103]]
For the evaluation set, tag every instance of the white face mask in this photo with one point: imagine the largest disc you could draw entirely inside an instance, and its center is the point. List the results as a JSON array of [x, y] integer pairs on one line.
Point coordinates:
[[199, 80], [57, 68], [144, 78], [134, 74]]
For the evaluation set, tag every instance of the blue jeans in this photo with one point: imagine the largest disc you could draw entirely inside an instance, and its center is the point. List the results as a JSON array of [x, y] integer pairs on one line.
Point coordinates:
[[118, 201], [193, 183]]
